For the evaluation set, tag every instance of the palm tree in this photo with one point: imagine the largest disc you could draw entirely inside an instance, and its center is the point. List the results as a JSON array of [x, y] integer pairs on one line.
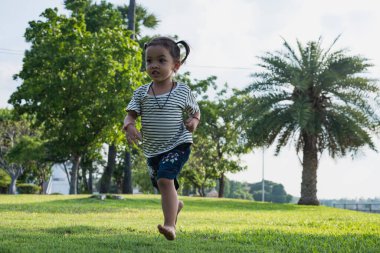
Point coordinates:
[[315, 99]]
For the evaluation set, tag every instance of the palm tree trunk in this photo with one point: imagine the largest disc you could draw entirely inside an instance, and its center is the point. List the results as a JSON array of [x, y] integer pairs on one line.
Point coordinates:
[[309, 171]]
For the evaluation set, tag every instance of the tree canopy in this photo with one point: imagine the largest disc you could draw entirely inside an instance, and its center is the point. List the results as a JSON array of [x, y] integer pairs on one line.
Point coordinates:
[[76, 82]]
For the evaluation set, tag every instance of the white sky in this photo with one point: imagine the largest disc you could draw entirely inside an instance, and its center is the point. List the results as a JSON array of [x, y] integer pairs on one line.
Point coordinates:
[[225, 37]]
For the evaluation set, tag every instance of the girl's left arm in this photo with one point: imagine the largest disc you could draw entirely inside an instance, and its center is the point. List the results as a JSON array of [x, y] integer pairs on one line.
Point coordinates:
[[192, 122], [192, 108]]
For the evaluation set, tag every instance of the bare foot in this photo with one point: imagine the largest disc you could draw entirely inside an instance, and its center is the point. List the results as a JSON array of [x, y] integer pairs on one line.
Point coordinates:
[[168, 232], [180, 206]]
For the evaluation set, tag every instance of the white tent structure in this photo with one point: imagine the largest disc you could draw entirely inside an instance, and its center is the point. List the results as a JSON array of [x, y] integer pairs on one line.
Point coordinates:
[[212, 194], [58, 182]]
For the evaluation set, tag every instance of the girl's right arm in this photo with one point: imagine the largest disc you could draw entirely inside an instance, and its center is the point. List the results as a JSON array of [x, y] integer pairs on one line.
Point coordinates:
[[129, 127]]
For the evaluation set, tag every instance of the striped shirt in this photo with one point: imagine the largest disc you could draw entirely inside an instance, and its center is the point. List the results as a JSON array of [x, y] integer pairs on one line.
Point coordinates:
[[163, 129]]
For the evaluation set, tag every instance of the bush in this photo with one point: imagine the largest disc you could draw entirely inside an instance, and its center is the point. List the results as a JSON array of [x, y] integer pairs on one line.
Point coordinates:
[[28, 189], [5, 181]]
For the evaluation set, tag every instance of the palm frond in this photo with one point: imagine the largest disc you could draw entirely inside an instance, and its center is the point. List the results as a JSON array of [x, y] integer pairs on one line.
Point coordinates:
[[358, 85], [356, 101], [345, 135], [356, 116], [266, 82], [292, 56], [284, 137], [277, 66], [344, 66], [327, 51], [265, 128]]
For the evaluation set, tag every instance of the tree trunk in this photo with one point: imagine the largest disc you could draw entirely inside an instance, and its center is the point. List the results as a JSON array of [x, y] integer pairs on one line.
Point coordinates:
[[84, 178], [131, 17], [221, 186], [127, 182], [12, 186], [202, 190], [41, 185], [67, 172], [199, 191], [105, 181], [90, 179], [14, 171], [86, 166], [309, 171], [74, 174]]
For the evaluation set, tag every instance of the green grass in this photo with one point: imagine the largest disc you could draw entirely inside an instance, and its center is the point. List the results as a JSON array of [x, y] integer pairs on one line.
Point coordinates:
[[56, 223]]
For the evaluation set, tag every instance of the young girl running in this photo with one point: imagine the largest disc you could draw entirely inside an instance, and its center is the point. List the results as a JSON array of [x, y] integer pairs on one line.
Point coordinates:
[[166, 138]]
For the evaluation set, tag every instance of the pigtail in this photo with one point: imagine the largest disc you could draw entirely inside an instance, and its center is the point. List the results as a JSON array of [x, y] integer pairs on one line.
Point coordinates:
[[187, 48]]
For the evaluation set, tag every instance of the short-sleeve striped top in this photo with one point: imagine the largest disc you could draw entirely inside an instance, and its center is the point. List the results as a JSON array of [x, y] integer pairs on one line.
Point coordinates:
[[163, 129]]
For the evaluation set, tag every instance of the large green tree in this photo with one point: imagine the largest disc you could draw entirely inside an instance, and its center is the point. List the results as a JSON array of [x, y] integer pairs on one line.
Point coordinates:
[[218, 126], [317, 99], [76, 82]]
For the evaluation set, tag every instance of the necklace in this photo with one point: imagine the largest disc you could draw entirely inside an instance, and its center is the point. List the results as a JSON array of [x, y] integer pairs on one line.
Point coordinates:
[[154, 94]]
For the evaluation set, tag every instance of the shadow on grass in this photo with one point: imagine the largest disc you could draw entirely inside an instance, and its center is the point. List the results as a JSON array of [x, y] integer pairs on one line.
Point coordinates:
[[195, 204], [82, 205], [91, 239], [88, 205]]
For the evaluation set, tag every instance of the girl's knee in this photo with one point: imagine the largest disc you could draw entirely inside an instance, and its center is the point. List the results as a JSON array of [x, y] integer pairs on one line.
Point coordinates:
[[164, 182]]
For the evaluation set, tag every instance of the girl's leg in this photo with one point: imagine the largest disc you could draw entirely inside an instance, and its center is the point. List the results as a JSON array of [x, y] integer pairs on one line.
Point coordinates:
[[169, 201], [180, 206], [170, 204]]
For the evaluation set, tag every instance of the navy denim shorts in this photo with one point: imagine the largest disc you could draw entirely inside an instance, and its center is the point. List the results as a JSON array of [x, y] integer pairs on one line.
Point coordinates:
[[169, 164]]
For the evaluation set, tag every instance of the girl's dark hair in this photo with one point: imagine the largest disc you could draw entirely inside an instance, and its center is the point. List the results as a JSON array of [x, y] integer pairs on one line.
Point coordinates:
[[170, 45]]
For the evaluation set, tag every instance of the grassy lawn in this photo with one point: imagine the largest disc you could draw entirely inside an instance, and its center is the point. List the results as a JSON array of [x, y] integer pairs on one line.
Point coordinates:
[[56, 223]]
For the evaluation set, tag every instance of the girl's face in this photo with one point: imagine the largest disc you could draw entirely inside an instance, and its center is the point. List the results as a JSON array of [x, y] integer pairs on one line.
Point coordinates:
[[160, 65]]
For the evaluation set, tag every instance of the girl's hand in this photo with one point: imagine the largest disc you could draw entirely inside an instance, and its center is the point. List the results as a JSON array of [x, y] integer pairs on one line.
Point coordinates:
[[191, 124], [133, 136]]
